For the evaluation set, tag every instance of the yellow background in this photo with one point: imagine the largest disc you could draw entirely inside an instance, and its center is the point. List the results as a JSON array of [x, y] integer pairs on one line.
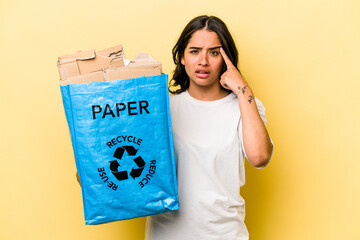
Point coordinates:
[[301, 58]]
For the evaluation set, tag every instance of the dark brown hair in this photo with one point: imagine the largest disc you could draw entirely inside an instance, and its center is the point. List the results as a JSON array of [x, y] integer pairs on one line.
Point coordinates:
[[210, 23]]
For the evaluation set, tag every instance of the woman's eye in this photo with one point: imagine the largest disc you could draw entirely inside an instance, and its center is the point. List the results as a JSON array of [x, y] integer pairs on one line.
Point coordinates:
[[214, 53], [194, 51]]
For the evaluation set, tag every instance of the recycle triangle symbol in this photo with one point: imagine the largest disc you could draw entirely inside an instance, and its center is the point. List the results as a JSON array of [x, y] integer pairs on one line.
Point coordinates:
[[123, 175]]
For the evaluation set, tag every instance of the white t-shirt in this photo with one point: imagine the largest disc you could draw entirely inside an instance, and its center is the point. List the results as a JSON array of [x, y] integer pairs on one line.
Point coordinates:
[[209, 154]]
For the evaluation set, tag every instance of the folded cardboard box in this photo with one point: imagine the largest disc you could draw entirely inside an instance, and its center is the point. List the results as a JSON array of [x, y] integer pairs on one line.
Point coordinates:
[[105, 65]]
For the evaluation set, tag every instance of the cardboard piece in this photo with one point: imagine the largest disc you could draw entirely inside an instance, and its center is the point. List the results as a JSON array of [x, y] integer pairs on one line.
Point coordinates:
[[84, 62], [105, 65], [142, 65]]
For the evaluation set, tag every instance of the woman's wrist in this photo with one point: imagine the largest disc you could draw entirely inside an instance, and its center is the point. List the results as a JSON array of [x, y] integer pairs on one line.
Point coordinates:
[[245, 92], [241, 89]]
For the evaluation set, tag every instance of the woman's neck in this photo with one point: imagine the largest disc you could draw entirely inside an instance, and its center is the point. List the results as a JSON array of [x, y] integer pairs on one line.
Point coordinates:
[[207, 94]]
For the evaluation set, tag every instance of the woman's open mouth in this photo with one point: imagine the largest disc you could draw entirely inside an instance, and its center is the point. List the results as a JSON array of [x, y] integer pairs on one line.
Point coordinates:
[[202, 73]]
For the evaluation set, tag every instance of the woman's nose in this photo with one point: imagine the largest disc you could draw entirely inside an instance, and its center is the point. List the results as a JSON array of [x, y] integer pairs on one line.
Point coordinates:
[[203, 59]]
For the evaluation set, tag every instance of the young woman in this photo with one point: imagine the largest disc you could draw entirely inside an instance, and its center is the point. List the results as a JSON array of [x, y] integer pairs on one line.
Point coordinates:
[[217, 122]]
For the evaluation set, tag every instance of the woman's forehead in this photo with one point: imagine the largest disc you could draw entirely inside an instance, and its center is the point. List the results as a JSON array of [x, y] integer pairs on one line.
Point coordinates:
[[204, 39]]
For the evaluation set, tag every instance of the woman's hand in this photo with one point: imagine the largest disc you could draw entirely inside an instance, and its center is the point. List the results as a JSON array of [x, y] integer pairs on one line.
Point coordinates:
[[231, 79]]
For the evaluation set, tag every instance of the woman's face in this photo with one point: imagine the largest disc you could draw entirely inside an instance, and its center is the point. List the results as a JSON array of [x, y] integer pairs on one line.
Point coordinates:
[[202, 59]]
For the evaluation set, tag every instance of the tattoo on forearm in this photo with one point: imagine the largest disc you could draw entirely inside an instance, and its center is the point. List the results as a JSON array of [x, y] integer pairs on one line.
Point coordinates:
[[242, 89]]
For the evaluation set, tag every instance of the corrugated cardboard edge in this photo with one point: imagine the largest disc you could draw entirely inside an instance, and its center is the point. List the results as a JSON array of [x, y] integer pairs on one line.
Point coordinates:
[[84, 62], [142, 65], [97, 76]]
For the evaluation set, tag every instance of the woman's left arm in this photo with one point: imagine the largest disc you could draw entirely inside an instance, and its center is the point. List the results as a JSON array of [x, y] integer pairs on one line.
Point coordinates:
[[257, 143]]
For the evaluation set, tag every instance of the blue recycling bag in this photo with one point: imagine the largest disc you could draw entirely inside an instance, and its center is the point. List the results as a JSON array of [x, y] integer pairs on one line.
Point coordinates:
[[122, 140]]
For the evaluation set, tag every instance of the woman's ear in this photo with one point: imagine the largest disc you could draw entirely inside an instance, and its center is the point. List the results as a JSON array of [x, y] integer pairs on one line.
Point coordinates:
[[182, 61]]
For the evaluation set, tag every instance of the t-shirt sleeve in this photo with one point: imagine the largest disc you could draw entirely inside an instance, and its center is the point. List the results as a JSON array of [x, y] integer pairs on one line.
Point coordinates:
[[261, 110]]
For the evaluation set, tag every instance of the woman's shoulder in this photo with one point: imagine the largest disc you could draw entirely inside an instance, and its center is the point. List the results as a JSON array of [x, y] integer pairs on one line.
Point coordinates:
[[177, 96]]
